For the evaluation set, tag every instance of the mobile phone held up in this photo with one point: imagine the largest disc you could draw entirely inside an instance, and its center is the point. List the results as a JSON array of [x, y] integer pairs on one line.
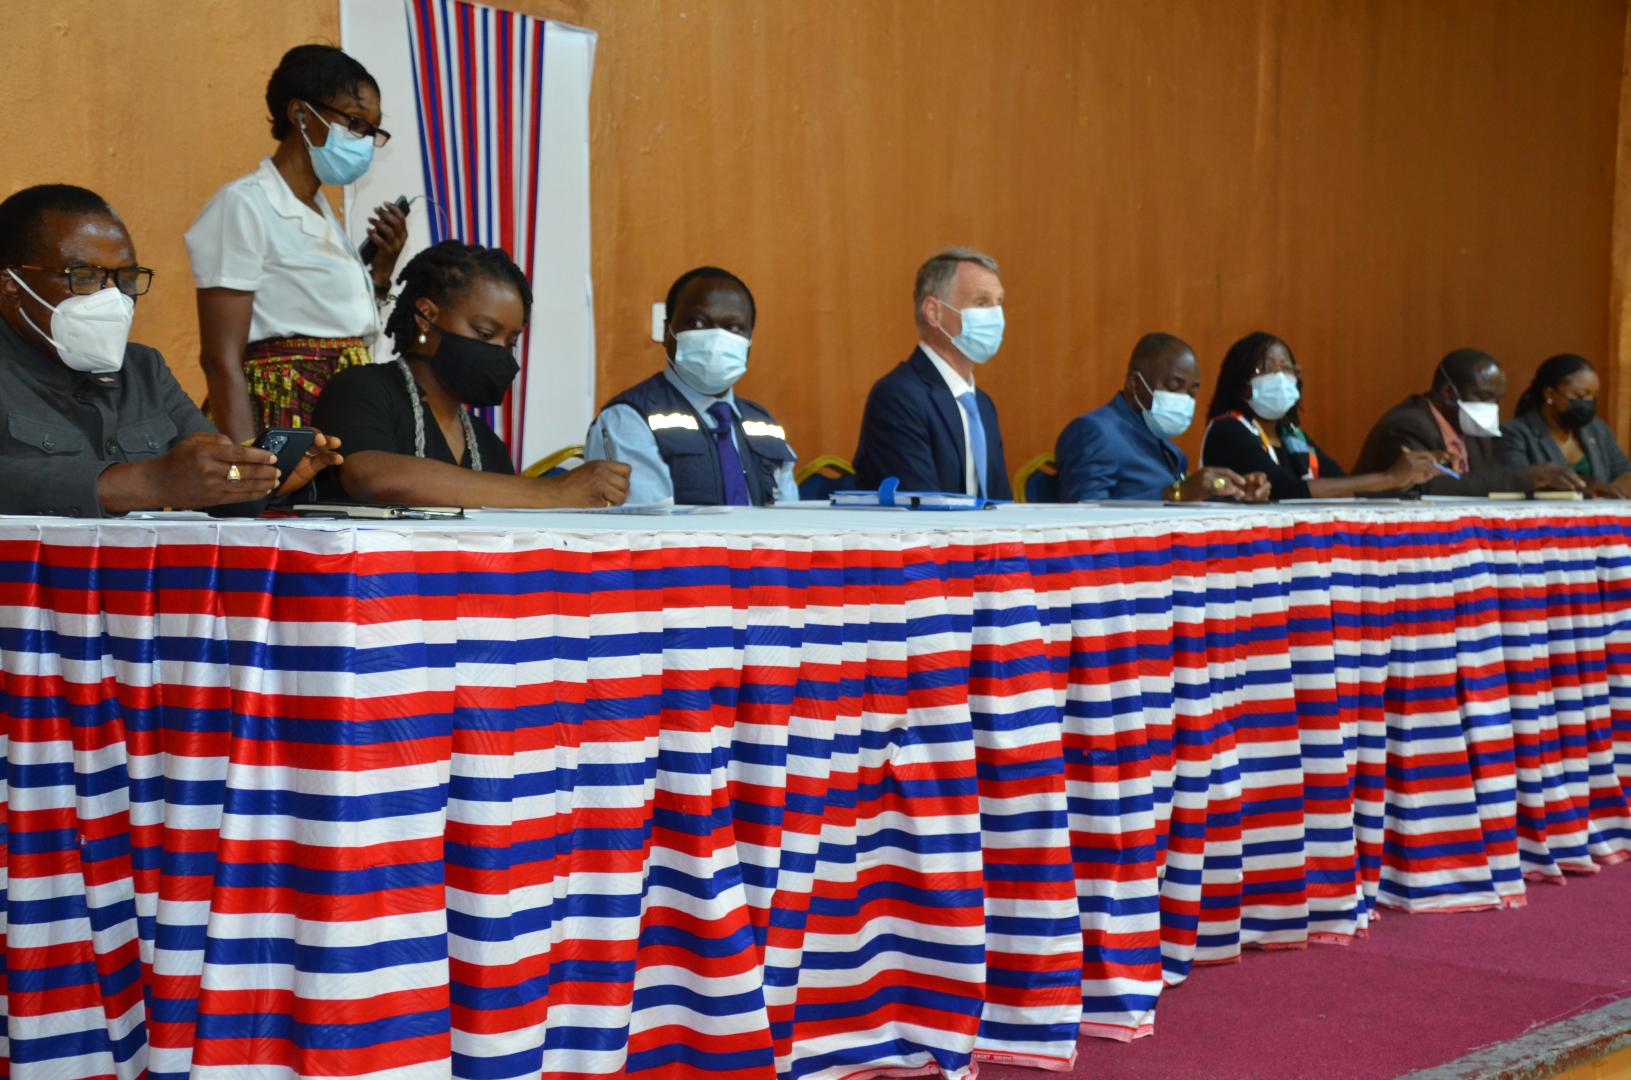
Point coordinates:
[[290, 445], [368, 249]]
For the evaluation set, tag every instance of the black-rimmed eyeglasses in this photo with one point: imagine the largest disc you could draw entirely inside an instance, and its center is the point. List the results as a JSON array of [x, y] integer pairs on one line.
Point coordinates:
[[86, 280], [358, 126]]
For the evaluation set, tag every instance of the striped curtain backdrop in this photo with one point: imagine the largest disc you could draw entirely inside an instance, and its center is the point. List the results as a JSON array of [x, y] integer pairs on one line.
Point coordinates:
[[478, 76], [489, 111]]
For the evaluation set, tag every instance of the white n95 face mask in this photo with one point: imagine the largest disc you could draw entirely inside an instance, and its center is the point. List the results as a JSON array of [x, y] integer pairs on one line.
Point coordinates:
[[89, 332], [1480, 419], [710, 361], [1170, 413], [1274, 394], [982, 333]]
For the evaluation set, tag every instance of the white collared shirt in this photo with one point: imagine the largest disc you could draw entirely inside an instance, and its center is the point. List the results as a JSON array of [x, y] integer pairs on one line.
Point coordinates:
[[958, 387], [255, 236]]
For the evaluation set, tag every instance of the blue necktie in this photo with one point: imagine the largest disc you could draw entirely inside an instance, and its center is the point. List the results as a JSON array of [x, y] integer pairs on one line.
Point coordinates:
[[730, 462], [976, 435]]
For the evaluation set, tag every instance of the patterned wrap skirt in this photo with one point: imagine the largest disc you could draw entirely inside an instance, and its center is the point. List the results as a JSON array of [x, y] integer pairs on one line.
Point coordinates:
[[285, 376]]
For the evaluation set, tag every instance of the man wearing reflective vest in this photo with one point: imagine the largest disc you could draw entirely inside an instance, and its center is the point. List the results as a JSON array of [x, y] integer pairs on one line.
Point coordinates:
[[686, 436]]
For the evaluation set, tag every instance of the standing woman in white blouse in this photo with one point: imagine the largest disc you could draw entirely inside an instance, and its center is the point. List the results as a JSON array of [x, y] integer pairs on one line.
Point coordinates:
[[284, 300]]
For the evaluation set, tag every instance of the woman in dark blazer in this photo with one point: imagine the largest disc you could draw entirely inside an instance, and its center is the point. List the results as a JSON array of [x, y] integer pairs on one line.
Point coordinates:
[[1557, 422]]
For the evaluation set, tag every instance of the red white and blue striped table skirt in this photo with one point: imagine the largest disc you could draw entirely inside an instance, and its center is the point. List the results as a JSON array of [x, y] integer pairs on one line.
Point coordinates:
[[780, 793]]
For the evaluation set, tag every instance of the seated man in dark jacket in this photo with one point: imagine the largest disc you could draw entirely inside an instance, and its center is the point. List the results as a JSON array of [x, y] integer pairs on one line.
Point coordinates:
[[94, 425], [686, 435], [1461, 418], [926, 423]]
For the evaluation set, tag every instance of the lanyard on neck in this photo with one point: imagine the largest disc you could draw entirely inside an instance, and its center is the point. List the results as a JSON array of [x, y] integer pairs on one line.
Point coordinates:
[[1312, 472], [1257, 429]]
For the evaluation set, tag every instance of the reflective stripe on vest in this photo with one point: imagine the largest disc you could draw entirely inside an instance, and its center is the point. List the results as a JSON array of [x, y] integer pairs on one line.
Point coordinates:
[[660, 421], [760, 428]]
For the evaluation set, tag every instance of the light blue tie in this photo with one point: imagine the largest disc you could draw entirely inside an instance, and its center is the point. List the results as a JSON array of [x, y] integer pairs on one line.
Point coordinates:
[[976, 435]]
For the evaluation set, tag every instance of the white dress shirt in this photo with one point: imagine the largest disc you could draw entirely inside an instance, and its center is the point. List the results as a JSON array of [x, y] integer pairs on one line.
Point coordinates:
[[958, 387], [255, 236]]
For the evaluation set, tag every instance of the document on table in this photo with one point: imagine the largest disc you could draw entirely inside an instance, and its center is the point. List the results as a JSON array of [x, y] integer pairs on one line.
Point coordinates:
[[915, 500], [639, 510], [1362, 502], [826, 504], [1494, 496], [377, 511], [1157, 504], [168, 515]]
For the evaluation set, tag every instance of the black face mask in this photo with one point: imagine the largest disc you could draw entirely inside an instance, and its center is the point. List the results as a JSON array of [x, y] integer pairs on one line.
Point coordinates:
[[1578, 413], [476, 372]]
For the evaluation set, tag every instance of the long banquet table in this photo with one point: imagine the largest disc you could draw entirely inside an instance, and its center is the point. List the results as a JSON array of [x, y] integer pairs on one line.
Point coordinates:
[[798, 793]]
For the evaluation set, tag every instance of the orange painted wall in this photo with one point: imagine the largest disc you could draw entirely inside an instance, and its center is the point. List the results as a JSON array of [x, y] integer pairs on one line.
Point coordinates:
[[1377, 180], [175, 107]]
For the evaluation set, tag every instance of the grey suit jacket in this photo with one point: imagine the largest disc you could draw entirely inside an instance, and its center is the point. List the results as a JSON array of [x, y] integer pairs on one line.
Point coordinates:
[[1410, 424], [1526, 441], [61, 429]]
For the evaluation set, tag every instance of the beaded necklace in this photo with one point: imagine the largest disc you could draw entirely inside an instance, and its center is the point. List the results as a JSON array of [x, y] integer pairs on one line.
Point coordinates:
[[419, 420]]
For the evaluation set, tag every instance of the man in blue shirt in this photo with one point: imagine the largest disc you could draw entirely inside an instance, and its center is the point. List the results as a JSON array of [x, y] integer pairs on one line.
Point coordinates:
[[1124, 450], [684, 433]]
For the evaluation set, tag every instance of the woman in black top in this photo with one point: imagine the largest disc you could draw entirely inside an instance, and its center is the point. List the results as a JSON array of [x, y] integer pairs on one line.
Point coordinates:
[[1557, 422], [409, 434], [1254, 427]]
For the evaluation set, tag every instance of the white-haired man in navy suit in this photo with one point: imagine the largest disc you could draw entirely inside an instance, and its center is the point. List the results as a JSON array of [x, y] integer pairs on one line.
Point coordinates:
[[926, 423]]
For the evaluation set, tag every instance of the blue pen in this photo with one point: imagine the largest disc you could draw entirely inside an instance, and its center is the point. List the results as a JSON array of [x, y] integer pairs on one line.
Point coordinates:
[[1447, 471]]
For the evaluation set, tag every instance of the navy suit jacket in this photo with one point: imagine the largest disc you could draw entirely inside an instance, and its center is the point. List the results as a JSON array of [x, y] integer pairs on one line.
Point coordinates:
[[1110, 453], [913, 429]]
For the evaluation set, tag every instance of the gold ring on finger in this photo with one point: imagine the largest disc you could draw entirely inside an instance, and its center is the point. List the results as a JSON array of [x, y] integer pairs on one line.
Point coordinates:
[[1219, 483], [233, 474]]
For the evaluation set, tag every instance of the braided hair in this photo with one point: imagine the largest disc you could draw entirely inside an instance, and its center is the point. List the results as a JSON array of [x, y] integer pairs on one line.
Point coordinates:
[[1550, 373], [443, 271], [1240, 364]]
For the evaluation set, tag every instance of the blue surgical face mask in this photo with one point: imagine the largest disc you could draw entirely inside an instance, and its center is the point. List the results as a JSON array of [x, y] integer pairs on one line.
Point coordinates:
[[343, 157], [1170, 413], [710, 361], [982, 332], [1274, 394]]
